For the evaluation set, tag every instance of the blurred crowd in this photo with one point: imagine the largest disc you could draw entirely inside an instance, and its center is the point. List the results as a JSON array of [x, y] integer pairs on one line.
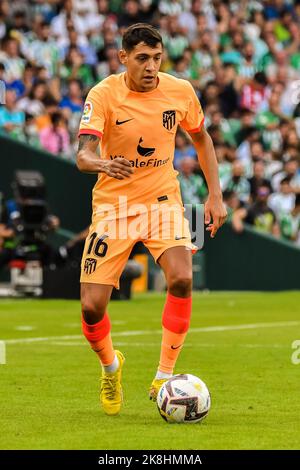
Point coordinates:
[[242, 57]]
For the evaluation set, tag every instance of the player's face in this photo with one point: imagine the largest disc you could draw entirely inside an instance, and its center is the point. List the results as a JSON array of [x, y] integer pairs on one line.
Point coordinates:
[[142, 64]]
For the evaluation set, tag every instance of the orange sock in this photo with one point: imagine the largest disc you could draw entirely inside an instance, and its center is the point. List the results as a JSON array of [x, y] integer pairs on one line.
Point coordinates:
[[99, 337], [171, 346], [175, 321]]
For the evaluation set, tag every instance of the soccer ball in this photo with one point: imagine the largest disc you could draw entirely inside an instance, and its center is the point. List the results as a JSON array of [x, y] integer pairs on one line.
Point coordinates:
[[184, 398]]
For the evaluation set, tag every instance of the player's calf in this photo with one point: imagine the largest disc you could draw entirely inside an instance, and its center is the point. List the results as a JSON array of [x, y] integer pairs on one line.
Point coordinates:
[[176, 322]]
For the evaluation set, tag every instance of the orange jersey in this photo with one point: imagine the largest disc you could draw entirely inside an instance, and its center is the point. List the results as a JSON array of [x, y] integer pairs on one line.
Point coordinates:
[[141, 127]]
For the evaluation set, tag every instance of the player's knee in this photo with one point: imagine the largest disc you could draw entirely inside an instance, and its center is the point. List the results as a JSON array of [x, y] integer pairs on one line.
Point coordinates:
[[93, 310], [180, 285]]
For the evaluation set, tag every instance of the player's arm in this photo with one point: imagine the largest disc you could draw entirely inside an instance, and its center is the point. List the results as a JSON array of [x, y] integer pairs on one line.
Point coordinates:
[[214, 211], [89, 162]]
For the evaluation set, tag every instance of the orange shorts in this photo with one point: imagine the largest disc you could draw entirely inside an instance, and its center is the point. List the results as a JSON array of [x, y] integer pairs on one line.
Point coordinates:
[[109, 243]]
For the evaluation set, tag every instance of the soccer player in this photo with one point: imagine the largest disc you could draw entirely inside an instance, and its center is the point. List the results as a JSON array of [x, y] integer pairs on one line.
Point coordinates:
[[134, 116]]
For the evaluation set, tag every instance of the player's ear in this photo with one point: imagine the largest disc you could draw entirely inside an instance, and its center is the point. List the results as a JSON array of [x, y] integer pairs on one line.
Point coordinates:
[[123, 56]]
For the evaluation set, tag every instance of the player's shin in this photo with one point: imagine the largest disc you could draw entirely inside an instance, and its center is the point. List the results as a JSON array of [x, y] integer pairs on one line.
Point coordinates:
[[175, 322], [99, 337]]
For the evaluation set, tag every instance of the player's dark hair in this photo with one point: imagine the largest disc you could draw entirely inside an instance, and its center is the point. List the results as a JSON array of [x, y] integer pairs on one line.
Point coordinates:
[[140, 32]]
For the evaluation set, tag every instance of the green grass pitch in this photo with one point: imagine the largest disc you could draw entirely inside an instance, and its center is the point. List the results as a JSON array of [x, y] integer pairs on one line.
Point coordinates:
[[49, 386]]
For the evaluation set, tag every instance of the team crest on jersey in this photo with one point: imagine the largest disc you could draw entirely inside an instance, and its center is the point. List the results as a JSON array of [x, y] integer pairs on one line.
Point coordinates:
[[169, 119], [87, 112], [90, 265]]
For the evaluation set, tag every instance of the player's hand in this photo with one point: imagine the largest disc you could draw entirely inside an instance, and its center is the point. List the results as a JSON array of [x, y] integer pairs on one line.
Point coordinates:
[[215, 214], [118, 168]]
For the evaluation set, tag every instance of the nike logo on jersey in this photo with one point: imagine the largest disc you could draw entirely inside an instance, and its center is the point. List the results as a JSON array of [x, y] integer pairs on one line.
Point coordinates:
[[179, 238], [176, 347], [122, 122]]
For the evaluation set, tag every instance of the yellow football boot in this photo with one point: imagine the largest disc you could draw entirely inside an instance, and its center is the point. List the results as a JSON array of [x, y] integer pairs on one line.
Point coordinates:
[[154, 388], [111, 394]]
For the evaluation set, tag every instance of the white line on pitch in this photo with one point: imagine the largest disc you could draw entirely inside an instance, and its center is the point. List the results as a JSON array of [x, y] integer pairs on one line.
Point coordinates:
[[186, 345], [249, 326], [2, 353], [25, 328]]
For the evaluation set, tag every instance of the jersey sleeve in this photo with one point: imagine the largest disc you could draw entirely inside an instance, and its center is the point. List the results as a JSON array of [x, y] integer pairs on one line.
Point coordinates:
[[194, 117], [94, 114]]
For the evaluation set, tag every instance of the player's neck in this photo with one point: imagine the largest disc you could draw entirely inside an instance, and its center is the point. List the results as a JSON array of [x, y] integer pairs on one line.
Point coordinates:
[[135, 87]]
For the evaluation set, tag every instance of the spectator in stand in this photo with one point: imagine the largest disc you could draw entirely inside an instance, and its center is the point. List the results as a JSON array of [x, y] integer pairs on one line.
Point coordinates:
[[290, 170], [43, 50], [24, 85], [75, 68], [19, 22], [210, 95], [110, 41], [244, 150], [284, 200], [72, 102], [11, 119], [193, 187], [205, 55], [2, 72], [31, 132], [290, 223], [11, 59], [229, 88], [44, 120], [111, 65], [292, 140], [55, 138], [224, 157], [33, 103], [131, 14], [247, 67], [238, 183], [258, 179], [258, 214], [85, 21], [4, 9], [183, 148], [257, 151], [231, 202], [255, 94], [85, 48], [87, 13], [174, 42], [247, 120]]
